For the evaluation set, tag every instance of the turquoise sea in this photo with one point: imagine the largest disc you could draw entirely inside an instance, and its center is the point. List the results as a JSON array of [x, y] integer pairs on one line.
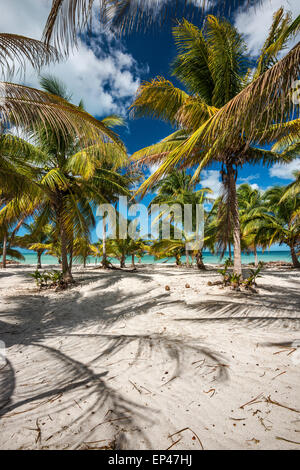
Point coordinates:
[[31, 258]]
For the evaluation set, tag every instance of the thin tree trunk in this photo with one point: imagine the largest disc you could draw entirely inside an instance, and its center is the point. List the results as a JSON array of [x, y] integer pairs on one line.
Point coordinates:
[[71, 256], [4, 251], [237, 264], [229, 250], [67, 276], [187, 261], [39, 260], [104, 256], [132, 261], [294, 256], [255, 256], [199, 260], [122, 261]]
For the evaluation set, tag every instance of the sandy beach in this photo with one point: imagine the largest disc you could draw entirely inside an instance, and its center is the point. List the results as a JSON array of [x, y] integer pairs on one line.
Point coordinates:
[[120, 362]]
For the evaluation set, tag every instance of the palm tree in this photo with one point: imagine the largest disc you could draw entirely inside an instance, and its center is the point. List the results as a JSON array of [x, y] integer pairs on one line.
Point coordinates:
[[68, 18], [68, 179], [29, 108], [178, 188], [251, 206], [83, 248], [280, 222], [227, 113], [35, 236]]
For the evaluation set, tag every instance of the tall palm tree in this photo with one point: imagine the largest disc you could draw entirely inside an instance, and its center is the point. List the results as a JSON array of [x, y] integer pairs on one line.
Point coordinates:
[[228, 112], [68, 179]]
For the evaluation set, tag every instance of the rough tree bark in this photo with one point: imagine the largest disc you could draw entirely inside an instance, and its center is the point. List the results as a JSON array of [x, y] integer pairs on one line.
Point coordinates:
[[122, 261], [237, 263], [39, 260], [199, 260], [294, 256], [255, 256], [4, 251]]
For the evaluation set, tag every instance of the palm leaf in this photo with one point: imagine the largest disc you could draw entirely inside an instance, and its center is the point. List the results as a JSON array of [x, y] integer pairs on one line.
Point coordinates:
[[30, 108], [68, 18], [16, 49]]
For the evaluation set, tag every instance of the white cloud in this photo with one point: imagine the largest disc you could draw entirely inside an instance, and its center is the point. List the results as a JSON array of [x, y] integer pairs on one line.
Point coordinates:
[[285, 171], [254, 22], [106, 81], [211, 179], [249, 178]]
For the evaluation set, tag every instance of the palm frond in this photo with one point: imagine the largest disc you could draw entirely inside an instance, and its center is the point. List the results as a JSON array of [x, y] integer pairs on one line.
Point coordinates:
[[30, 108], [158, 99], [16, 50], [70, 18]]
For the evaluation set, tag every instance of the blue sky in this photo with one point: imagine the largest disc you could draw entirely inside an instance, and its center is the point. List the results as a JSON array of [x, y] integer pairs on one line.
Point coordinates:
[[106, 72]]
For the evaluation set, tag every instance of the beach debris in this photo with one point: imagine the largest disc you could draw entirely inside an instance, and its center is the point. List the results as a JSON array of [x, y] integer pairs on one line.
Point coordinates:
[[134, 386], [38, 430], [281, 373], [267, 428], [174, 443], [288, 350], [167, 288], [187, 286], [212, 391], [287, 440], [251, 402], [256, 441], [273, 402], [175, 377], [188, 429]]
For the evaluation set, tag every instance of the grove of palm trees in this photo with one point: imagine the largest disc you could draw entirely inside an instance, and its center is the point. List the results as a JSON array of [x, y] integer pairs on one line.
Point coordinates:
[[150, 226]]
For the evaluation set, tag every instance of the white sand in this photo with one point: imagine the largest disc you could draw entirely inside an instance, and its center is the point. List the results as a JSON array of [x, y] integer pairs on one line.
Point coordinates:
[[119, 361]]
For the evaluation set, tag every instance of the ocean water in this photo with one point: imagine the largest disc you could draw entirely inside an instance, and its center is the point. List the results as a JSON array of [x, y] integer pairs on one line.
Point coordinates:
[[31, 258]]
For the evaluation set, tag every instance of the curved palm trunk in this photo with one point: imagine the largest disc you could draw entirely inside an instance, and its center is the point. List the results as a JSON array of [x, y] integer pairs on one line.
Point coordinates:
[[294, 256], [237, 264], [187, 262], [67, 275], [178, 260], [4, 251], [199, 260], [71, 255], [122, 261], [39, 260], [104, 255], [255, 256]]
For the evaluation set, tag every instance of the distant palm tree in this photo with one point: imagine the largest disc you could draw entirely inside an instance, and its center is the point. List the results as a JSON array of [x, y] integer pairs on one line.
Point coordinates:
[[251, 206], [178, 188], [35, 235], [280, 222]]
